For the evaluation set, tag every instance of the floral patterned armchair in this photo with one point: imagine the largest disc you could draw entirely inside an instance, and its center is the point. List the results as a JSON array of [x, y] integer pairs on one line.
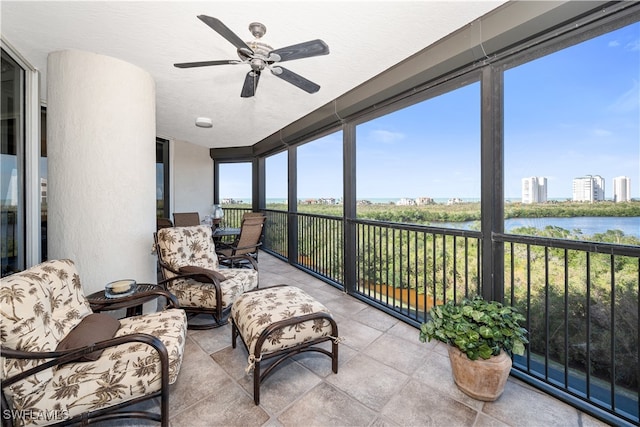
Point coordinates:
[[63, 364], [190, 269]]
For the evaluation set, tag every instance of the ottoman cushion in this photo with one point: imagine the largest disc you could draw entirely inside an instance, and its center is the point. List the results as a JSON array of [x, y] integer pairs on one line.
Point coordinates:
[[254, 311]]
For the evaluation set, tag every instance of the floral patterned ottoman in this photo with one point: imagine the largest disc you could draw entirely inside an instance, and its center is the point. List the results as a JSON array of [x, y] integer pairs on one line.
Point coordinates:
[[281, 321]]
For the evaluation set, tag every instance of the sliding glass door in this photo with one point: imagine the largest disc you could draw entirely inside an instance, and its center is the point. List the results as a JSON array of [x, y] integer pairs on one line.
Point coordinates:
[[12, 222]]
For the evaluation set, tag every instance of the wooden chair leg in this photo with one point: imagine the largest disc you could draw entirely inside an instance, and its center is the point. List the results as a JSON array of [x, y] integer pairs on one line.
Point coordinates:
[[256, 382], [234, 334]]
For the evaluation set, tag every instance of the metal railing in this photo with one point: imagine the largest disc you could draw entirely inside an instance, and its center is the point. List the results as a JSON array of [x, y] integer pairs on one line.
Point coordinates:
[[276, 229], [580, 298], [407, 268], [581, 304], [233, 217], [321, 246]]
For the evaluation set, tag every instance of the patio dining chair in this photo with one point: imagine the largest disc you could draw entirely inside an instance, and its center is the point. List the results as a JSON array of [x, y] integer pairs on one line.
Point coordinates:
[[249, 215], [190, 270], [186, 219], [247, 242]]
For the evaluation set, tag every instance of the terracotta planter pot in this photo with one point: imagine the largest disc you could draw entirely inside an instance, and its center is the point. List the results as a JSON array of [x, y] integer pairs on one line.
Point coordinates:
[[481, 379]]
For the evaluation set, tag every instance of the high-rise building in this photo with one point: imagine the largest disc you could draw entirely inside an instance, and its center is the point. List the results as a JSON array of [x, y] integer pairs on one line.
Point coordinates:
[[621, 189], [43, 191], [534, 189], [589, 188]]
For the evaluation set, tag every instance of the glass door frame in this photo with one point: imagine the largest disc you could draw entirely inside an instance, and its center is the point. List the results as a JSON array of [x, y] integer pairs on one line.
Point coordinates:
[[29, 203]]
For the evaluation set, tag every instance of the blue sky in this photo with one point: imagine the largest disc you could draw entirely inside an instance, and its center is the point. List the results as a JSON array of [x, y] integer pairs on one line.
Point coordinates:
[[572, 113]]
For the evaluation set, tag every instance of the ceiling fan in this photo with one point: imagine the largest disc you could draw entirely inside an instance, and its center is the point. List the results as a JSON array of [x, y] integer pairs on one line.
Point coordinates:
[[260, 55]]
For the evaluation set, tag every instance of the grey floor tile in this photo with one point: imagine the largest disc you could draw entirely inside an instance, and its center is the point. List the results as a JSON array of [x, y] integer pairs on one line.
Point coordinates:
[[227, 405], [233, 360], [325, 406], [320, 364], [417, 405], [283, 386], [197, 369], [368, 381], [376, 319], [346, 306], [407, 332], [355, 334], [522, 406], [398, 353], [484, 420], [212, 340]]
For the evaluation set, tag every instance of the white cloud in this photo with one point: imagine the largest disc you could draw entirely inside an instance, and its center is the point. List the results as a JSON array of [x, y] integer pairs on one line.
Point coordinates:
[[386, 136], [633, 46], [628, 101], [602, 132], [614, 43]]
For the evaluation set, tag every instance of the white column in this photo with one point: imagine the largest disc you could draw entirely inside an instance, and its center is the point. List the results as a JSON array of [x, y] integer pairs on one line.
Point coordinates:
[[101, 178]]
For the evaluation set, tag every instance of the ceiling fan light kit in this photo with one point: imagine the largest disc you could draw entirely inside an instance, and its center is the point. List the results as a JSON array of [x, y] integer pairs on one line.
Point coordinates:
[[260, 55], [204, 122]]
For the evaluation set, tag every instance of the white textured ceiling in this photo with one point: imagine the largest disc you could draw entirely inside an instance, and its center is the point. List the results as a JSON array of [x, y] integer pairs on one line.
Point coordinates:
[[364, 38]]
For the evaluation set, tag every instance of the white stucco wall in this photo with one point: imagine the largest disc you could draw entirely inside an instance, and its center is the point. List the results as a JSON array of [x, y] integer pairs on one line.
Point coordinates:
[[101, 152], [192, 177]]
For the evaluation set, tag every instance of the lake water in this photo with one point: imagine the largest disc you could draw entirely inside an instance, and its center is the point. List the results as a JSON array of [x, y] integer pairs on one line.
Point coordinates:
[[589, 226]]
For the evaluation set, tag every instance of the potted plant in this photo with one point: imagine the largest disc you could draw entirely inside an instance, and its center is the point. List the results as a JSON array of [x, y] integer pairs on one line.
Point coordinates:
[[482, 337]]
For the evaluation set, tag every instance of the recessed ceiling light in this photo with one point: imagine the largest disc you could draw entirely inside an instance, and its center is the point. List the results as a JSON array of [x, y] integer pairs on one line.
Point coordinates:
[[204, 122]]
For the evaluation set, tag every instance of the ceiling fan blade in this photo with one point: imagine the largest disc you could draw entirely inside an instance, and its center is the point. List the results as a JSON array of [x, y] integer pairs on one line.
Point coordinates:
[[302, 50], [224, 31], [295, 79], [250, 84], [206, 63]]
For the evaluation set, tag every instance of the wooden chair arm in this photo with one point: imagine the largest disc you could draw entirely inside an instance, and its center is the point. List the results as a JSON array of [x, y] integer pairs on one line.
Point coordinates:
[[61, 357]]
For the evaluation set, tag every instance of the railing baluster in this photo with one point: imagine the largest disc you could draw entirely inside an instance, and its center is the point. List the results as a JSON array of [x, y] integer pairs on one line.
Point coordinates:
[[612, 329], [546, 313], [588, 320], [566, 318]]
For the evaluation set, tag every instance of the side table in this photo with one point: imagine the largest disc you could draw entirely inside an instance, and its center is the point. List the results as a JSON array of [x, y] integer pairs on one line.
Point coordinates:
[[133, 303]]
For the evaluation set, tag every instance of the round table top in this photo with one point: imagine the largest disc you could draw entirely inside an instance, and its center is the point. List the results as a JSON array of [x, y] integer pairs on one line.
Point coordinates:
[[100, 297], [226, 232]]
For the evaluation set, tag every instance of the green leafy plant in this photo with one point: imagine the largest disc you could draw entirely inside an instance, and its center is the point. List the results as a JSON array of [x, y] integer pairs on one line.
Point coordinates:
[[477, 327]]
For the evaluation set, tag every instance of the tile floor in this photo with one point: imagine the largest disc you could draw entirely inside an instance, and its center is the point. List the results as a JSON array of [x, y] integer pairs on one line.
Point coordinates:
[[386, 377]]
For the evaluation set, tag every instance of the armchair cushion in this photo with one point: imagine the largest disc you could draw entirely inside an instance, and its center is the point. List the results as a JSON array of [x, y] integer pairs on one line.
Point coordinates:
[[41, 307], [193, 269], [189, 247], [94, 328], [192, 293]]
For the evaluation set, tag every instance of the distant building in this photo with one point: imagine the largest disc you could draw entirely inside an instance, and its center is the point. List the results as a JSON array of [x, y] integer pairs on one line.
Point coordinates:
[[230, 201], [43, 191], [421, 201], [321, 201], [454, 201], [621, 189], [589, 188], [406, 202], [534, 189]]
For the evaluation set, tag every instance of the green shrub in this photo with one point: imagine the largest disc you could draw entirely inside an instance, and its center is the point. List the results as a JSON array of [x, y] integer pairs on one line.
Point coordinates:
[[477, 327]]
